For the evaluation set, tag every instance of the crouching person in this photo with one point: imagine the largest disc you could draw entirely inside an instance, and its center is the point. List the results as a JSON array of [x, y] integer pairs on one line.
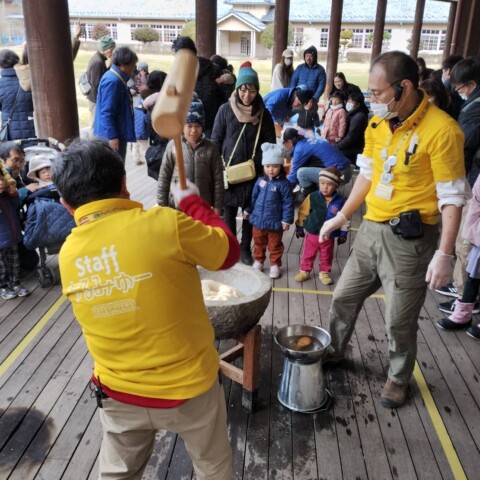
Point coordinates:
[[147, 330]]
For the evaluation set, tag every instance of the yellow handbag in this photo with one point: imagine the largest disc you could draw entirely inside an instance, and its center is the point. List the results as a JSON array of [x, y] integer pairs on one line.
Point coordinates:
[[245, 171]]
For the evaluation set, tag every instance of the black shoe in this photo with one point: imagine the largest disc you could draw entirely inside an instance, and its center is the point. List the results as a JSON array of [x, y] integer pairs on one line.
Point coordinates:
[[246, 257], [474, 332], [449, 307], [446, 324], [448, 290]]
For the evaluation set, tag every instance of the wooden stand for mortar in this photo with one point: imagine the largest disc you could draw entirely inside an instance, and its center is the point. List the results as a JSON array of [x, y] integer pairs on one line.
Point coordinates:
[[248, 347]]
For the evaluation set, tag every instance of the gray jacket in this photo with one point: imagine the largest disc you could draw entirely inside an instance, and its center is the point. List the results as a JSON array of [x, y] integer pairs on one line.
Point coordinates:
[[203, 166]]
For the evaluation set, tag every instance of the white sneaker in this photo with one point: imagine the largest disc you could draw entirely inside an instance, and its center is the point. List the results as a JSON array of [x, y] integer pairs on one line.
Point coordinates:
[[257, 265], [275, 271]]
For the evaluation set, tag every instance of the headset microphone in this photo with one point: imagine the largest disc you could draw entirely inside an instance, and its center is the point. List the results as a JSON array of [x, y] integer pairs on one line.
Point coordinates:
[[375, 124]]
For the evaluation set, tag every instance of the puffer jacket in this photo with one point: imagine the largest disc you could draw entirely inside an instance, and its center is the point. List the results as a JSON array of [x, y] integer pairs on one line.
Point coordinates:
[[21, 123], [10, 231], [354, 141], [203, 166], [314, 78], [226, 131], [279, 104], [114, 113], [272, 203]]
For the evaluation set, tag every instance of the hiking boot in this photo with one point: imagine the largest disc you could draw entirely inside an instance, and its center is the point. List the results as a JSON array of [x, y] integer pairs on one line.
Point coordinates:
[[449, 307], [325, 278], [257, 265], [301, 276], [20, 290], [246, 257], [448, 290], [393, 395], [474, 332], [6, 293], [275, 271]]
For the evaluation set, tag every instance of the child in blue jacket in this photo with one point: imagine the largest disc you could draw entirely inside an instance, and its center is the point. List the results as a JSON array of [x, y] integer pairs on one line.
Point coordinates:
[[271, 210]]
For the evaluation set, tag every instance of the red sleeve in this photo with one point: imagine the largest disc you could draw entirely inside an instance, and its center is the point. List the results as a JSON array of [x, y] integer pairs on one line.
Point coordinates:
[[197, 208]]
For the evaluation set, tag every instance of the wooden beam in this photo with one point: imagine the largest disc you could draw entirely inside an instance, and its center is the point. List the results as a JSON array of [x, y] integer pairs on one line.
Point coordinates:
[[233, 353], [333, 43], [417, 29], [206, 27], [280, 30], [232, 372], [378, 29]]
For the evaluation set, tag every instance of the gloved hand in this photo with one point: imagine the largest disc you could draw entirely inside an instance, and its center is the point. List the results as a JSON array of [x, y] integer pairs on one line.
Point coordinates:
[[331, 225], [179, 194], [341, 240], [440, 269], [299, 231]]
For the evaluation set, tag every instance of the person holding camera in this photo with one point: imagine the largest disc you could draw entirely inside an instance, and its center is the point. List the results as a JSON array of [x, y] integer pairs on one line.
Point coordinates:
[[407, 185]]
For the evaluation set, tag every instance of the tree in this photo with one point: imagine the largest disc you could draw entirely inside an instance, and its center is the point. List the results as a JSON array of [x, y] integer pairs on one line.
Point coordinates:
[[386, 36], [99, 30], [189, 30], [266, 37], [145, 35], [345, 41]]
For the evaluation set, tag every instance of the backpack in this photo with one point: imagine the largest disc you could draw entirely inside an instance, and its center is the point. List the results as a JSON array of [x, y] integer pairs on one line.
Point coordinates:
[[84, 84]]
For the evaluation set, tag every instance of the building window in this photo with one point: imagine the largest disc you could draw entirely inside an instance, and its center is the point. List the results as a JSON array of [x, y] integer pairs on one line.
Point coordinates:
[[361, 38], [245, 46], [324, 38], [112, 28], [170, 32], [298, 37], [432, 39]]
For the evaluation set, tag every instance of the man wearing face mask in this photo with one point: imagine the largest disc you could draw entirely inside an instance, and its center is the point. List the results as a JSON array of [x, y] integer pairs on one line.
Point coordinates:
[[407, 184], [456, 101]]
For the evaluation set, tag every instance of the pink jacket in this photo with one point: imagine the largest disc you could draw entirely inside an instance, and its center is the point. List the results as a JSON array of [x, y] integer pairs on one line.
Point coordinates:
[[471, 227], [335, 124]]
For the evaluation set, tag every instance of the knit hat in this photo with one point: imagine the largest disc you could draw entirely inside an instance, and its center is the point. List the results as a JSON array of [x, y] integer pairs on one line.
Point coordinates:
[[290, 133], [142, 66], [196, 113], [105, 43], [272, 154], [304, 95], [247, 75], [332, 175], [288, 53], [37, 163]]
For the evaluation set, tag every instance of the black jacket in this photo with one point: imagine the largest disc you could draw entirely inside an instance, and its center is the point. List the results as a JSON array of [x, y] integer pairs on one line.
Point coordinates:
[[226, 131], [354, 141]]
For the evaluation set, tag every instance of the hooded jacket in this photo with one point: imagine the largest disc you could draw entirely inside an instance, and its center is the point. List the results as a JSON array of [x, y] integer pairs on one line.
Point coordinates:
[[314, 77], [279, 103]]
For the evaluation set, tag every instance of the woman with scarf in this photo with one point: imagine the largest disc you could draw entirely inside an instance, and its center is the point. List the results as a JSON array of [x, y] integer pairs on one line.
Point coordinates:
[[235, 132], [283, 71]]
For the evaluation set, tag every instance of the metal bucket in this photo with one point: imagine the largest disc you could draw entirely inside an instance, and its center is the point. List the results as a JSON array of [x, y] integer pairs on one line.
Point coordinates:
[[302, 388]]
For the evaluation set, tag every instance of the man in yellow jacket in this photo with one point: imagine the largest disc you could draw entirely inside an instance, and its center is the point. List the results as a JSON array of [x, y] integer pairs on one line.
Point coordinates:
[[132, 279]]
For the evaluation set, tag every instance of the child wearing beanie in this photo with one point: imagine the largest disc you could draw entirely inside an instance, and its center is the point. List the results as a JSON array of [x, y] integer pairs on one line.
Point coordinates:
[[318, 207], [203, 164], [271, 210]]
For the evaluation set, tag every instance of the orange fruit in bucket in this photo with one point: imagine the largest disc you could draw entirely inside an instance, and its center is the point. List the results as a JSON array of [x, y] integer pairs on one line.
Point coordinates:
[[303, 342]]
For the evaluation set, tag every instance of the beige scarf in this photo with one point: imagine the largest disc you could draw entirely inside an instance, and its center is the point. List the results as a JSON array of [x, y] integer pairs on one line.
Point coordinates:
[[242, 112]]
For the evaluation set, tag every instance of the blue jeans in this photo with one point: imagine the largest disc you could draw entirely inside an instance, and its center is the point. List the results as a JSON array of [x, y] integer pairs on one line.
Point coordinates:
[[308, 176]]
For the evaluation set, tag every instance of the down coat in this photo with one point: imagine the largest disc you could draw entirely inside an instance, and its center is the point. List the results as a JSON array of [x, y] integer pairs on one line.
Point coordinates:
[[314, 77], [272, 203], [203, 167], [21, 124], [226, 131], [10, 231]]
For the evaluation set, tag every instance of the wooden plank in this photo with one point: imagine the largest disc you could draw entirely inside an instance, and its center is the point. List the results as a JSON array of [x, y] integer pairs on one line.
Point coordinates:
[[157, 467]]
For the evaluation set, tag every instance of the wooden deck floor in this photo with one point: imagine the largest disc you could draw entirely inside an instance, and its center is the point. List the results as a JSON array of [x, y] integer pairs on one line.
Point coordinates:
[[49, 427]]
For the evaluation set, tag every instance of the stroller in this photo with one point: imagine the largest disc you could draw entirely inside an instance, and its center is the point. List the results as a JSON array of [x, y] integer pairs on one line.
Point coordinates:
[[48, 223]]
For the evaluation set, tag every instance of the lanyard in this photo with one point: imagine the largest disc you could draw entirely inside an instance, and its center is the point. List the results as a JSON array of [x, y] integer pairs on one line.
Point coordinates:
[[130, 99]]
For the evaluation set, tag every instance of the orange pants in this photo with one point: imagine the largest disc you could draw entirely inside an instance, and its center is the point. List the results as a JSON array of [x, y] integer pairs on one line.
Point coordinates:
[[271, 239]]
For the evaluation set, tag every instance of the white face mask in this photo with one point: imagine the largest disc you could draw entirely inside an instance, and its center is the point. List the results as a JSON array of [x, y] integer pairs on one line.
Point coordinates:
[[463, 96], [381, 110], [349, 106], [288, 62]]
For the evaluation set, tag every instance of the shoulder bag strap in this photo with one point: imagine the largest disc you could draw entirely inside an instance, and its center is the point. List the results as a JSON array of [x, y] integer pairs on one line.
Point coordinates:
[[236, 144], [126, 86], [258, 134], [14, 105]]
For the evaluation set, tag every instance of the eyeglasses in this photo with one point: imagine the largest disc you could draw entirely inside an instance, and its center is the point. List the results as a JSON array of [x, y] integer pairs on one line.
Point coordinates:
[[376, 94], [460, 87], [18, 160]]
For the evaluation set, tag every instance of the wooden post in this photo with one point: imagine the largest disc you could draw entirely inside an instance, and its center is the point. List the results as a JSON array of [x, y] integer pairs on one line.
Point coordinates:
[[47, 28], [378, 29], [450, 41], [280, 40], [467, 23], [333, 43], [417, 29], [251, 367], [206, 27]]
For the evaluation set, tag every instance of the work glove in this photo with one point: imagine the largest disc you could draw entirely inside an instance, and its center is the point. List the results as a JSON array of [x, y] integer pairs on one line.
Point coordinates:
[[180, 195], [341, 240], [440, 269], [299, 231], [338, 221]]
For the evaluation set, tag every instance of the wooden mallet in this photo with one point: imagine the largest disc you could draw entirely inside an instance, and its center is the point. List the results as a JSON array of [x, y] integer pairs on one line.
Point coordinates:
[[171, 108]]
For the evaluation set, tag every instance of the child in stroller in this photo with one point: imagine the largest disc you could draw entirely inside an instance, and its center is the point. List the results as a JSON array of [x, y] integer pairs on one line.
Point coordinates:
[[48, 221]]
